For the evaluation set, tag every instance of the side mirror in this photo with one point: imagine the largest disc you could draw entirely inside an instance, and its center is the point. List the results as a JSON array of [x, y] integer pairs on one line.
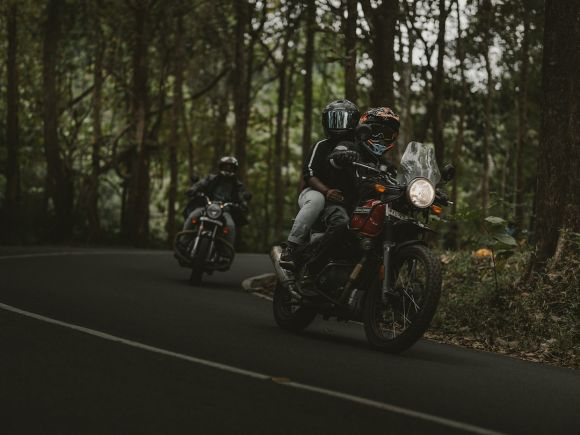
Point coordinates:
[[363, 132], [247, 196], [448, 173]]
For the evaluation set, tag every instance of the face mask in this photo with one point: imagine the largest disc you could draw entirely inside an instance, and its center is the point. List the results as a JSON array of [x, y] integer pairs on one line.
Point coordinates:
[[377, 147]]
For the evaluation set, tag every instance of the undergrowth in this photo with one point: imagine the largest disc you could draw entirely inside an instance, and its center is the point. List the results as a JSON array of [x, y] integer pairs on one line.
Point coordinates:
[[536, 319]]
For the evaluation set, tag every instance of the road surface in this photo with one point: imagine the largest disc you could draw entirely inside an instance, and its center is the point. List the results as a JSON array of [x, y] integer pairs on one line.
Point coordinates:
[[116, 341]]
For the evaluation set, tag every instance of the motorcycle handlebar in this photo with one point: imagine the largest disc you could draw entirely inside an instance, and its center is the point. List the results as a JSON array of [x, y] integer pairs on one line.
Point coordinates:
[[383, 176]]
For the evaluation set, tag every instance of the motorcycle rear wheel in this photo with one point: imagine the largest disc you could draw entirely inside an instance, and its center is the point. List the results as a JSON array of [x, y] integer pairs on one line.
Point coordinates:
[[288, 316], [396, 325]]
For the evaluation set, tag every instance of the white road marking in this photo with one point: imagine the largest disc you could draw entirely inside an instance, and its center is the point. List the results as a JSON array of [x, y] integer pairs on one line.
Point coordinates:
[[277, 379], [260, 295], [69, 253]]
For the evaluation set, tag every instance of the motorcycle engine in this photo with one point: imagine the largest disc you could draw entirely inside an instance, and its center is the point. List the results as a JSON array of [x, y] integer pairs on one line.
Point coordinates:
[[333, 277]]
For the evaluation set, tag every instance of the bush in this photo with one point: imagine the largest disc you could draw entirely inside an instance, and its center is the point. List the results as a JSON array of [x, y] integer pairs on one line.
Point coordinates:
[[536, 319]]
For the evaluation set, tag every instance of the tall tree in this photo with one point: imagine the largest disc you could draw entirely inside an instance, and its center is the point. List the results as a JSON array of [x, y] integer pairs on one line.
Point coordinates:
[[136, 222], [558, 182], [383, 23], [486, 11], [310, 30], [93, 193], [12, 125], [437, 85], [59, 175], [349, 25], [522, 117], [176, 118], [239, 81], [452, 238]]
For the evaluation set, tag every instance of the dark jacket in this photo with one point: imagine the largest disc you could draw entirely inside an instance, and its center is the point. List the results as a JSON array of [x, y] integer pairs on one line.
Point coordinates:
[[218, 187], [357, 182]]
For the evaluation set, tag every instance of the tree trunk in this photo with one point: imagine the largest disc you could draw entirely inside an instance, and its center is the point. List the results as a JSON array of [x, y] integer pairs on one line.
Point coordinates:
[[278, 185], [289, 98], [93, 191], [12, 127], [522, 122], [437, 87], [220, 111], [266, 229], [239, 82], [308, 62], [487, 12], [383, 23], [406, 94], [558, 182], [59, 177], [349, 29], [486, 138], [136, 225], [453, 236], [175, 141]]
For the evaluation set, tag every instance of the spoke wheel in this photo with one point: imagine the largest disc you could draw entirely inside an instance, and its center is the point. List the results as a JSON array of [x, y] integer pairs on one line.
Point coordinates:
[[396, 322]]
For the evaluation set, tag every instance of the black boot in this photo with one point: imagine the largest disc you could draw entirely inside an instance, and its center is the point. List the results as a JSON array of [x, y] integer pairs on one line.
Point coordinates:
[[287, 260]]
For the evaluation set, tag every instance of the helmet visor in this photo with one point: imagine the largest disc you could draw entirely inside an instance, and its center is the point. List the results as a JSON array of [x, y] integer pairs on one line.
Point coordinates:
[[228, 168], [339, 119], [385, 132]]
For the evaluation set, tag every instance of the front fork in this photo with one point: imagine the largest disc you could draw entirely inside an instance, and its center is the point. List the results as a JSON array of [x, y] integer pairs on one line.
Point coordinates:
[[388, 245]]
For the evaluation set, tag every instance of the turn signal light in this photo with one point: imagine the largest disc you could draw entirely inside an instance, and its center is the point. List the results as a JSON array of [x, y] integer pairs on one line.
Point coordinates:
[[380, 188], [226, 231], [436, 209], [193, 221], [382, 272]]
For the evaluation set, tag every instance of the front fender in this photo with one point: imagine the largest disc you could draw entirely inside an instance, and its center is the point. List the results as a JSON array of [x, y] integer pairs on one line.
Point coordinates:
[[400, 246]]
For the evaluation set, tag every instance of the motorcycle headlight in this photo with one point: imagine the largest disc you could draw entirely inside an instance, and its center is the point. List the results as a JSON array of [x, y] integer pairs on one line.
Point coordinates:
[[214, 211], [421, 192]]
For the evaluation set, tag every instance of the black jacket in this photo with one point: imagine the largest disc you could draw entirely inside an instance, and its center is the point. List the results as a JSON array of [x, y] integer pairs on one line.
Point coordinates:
[[357, 182], [317, 164], [218, 187]]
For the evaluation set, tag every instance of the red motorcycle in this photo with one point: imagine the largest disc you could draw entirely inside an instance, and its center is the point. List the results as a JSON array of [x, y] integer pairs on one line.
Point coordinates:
[[384, 275]]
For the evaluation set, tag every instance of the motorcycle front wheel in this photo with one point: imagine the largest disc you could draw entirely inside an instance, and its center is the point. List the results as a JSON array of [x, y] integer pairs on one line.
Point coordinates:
[[196, 275], [287, 313], [395, 323]]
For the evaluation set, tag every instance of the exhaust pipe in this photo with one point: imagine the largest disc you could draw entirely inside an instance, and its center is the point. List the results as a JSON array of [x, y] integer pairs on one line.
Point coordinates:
[[285, 277]]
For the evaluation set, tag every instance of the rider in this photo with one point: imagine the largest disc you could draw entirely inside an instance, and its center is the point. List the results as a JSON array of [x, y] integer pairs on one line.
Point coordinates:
[[322, 191], [224, 187], [369, 148]]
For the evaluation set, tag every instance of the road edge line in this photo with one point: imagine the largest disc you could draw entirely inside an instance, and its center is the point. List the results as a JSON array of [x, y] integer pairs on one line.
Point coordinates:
[[228, 368]]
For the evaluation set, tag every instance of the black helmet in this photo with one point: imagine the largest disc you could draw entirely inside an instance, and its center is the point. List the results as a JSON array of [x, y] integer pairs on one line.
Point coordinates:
[[228, 166], [339, 117], [383, 129]]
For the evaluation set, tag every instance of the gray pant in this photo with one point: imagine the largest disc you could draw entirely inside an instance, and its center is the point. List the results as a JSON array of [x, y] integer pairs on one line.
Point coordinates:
[[311, 203], [230, 237]]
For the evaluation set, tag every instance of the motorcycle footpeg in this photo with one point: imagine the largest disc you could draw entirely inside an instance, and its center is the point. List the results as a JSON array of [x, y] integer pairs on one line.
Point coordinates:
[[287, 265]]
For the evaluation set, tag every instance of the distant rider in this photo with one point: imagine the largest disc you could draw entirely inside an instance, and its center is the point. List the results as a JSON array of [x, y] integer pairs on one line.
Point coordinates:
[[223, 186], [323, 191]]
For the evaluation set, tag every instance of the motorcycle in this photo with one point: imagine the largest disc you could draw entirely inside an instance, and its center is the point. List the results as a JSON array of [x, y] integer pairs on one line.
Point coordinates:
[[204, 249], [384, 275]]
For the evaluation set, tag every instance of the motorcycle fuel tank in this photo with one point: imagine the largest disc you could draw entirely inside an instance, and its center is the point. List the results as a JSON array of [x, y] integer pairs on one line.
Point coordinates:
[[369, 218]]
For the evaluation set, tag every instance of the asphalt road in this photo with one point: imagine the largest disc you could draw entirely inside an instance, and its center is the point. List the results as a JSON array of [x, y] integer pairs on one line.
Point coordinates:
[[116, 341]]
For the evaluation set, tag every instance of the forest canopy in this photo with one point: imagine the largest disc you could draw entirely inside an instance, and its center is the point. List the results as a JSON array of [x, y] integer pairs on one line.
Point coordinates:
[[108, 108]]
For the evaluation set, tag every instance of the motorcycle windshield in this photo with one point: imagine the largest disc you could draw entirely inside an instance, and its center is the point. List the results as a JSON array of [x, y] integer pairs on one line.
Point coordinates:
[[418, 161]]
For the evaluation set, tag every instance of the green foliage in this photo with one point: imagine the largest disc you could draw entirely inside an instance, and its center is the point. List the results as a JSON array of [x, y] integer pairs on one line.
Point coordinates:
[[535, 318], [209, 120]]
